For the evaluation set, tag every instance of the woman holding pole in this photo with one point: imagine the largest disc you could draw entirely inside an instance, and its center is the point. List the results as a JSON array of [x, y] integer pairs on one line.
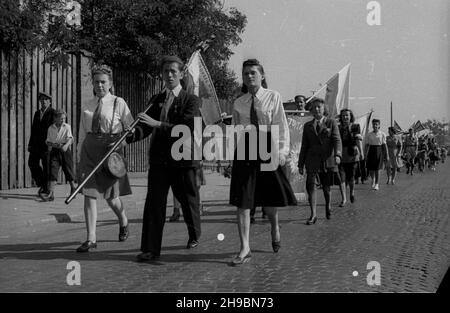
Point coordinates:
[[102, 121]]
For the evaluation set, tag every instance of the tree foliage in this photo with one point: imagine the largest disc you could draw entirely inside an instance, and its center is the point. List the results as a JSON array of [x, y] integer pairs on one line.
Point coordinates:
[[131, 34]]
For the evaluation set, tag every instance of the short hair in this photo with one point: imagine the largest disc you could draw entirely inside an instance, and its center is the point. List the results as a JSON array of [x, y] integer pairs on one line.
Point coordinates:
[[172, 59], [59, 112], [254, 62], [315, 101], [376, 121], [352, 117]]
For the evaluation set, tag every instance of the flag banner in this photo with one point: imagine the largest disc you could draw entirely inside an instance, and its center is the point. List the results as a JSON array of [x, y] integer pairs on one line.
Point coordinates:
[[418, 126], [198, 82], [297, 181], [364, 124], [337, 94], [397, 128]]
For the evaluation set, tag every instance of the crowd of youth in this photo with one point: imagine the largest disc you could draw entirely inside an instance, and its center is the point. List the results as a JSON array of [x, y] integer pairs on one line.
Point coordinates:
[[333, 152]]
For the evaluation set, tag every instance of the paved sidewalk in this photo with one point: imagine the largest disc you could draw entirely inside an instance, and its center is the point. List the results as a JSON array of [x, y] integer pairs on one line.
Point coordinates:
[[22, 207], [404, 228]]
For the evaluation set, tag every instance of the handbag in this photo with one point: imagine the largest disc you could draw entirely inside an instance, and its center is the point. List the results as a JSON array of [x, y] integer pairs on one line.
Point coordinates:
[[115, 165]]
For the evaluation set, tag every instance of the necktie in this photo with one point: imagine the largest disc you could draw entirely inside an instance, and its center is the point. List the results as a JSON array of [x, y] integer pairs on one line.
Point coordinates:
[[253, 115], [96, 117], [166, 106], [317, 127]]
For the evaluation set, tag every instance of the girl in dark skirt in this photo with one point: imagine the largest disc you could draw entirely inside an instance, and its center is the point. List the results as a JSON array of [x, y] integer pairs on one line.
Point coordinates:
[[256, 180], [102, 121], [376, 152]]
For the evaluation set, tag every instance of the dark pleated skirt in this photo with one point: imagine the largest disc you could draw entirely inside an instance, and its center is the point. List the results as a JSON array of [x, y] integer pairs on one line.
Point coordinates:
[[375, 158], [101, 184], [251, 187]]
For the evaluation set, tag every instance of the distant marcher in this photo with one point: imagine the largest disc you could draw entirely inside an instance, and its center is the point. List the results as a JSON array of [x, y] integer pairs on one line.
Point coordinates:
[[376, 152], [38, 159], [59, 140], [410, 150], [250, 185], [422, 154], [351, 152], [394, 147], [320, 154], [300, 101], [102, 121], [433, 153], [443, 154]]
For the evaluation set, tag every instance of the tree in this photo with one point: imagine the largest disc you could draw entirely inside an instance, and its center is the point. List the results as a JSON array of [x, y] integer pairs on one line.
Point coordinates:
[[131, 34]]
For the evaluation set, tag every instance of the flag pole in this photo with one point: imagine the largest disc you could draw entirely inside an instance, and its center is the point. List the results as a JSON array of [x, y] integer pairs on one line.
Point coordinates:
[[391, 115], [315, 93]]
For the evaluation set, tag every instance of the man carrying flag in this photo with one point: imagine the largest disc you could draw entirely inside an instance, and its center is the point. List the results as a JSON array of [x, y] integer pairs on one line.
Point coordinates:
[[170, 108]]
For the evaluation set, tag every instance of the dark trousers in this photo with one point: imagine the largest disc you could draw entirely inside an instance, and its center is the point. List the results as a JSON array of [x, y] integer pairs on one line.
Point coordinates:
[[184, 188], [38, 164], [59, 158]]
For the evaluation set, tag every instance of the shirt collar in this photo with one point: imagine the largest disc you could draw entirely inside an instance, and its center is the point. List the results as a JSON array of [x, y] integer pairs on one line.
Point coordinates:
[[321, 119], [259, 93], [105, 97], [175, 91]]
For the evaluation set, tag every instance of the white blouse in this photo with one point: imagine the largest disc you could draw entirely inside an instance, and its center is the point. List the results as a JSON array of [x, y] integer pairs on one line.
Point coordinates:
[[270, 111], [122, 117], [376, 139]]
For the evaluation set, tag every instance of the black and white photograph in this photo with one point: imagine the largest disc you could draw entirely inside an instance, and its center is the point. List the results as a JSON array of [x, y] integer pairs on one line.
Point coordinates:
[[225, 154]]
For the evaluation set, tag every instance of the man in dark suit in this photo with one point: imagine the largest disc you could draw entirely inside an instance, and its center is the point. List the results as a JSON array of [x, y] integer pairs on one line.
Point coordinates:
[[171, 108], [37, 147], [320, 154]]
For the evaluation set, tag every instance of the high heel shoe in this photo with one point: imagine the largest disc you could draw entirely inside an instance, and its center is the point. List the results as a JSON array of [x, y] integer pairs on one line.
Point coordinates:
[[238, 260], [276, 245], [86, 246], [311, 221], [123, 233]]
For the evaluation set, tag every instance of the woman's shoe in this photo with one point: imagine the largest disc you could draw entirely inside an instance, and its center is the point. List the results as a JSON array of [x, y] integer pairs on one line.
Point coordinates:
[[311, 221], [238, 260], [175, 217], [86, 246], [123, 233], [276, 245]]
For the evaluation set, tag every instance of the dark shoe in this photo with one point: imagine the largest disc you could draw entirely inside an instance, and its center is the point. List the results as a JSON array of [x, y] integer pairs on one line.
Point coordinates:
[[123, 233], [192, 244], [147, 256], [86, 246], [311, 221], [49, 197], [239, 261], [276, 245], [175, 217], [352, 199]]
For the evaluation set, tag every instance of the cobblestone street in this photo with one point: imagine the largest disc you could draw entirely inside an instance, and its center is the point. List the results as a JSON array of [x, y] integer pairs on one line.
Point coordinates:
[[405, 228]]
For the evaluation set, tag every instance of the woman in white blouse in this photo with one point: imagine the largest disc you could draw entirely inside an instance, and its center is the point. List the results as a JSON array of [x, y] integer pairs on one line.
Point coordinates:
[[102, 121], [376, 152], [255, 182]]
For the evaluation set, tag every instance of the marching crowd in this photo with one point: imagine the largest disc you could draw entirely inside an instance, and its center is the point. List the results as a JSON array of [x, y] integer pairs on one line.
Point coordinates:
[[333, 152]]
